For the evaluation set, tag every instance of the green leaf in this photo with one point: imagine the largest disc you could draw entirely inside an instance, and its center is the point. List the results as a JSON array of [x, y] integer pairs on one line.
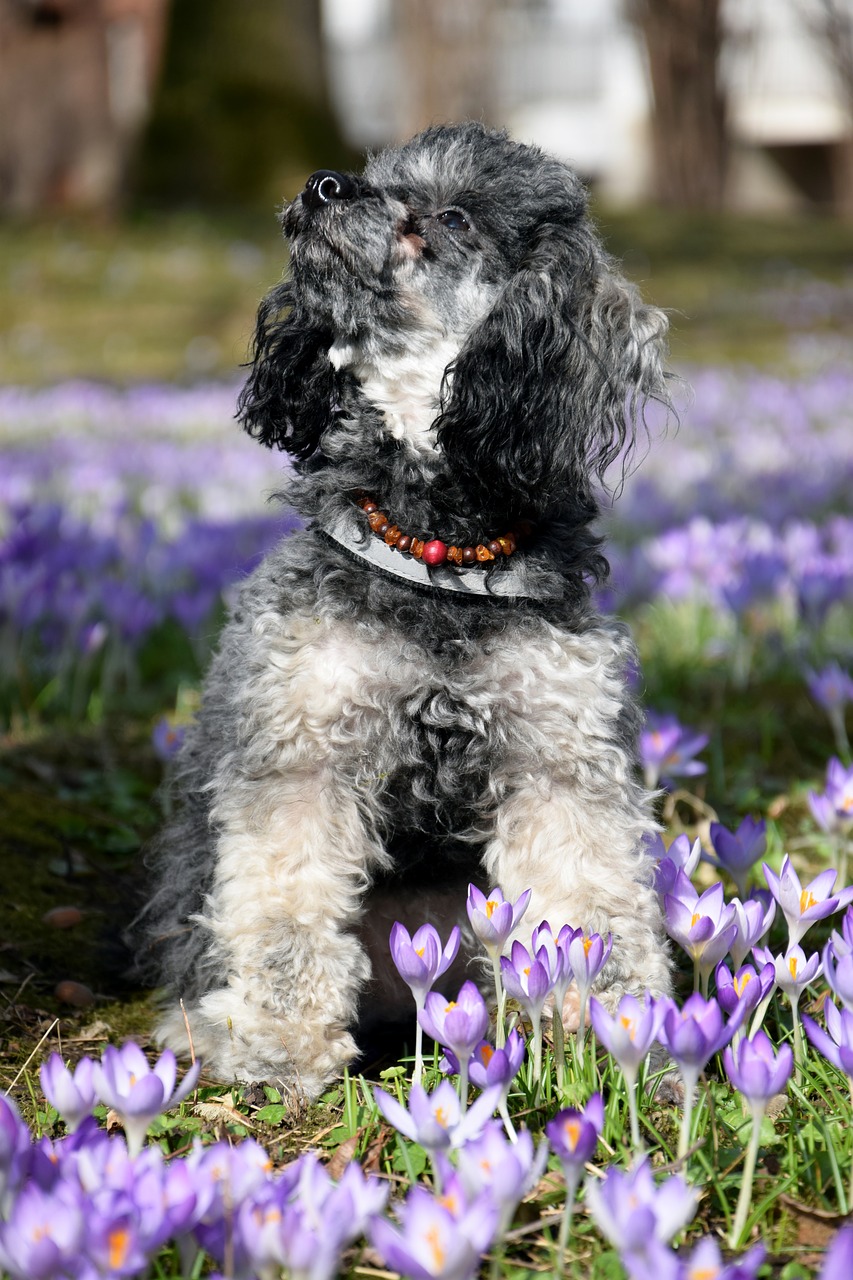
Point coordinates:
[[274, 1113]]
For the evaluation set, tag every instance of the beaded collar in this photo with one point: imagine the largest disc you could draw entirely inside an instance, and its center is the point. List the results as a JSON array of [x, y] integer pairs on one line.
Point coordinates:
[[367, 534]]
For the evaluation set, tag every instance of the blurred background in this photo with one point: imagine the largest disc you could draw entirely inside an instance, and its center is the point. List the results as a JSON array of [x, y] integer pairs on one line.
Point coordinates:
[[145, 148]]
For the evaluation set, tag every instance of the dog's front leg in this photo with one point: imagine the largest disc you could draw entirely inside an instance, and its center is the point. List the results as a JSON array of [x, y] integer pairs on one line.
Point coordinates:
[[581, 861], [291, 856], [571, 824]]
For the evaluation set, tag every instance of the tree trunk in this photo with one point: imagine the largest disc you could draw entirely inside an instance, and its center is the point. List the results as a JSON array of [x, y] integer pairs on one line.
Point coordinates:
[[243, 113], [75, 84], [447, 49], [683, 39]]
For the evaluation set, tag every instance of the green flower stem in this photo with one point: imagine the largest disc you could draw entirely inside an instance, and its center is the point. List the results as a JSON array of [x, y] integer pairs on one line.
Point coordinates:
[[566, 1223], [503, 1112], [842, 850], [463, 1084], [559, 1049], [799, 1054], [631, 1085], [690, 1079], [745, 1197], [850, 1191], [761, 1011], [417, 1073], [536, 1021], [500, 995], [842, 743], [580, 1038]]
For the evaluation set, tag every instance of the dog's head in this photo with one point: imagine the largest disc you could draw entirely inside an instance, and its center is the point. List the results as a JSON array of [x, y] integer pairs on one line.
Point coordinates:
[[466, 260]]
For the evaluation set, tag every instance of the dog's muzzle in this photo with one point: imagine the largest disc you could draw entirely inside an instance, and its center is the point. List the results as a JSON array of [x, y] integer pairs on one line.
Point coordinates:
[[326, 187]]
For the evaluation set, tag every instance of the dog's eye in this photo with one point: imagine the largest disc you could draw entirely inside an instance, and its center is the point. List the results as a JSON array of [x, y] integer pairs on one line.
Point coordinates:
[[453, 220]]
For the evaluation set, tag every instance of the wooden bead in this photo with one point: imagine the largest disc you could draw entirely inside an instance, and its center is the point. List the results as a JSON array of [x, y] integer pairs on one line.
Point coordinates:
[[404, 542], [469, 555], [434, 552], [369, 507], [483, 553], [495, 548]]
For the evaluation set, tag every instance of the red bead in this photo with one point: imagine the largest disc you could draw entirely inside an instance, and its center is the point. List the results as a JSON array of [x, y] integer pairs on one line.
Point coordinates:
[[435, 552]]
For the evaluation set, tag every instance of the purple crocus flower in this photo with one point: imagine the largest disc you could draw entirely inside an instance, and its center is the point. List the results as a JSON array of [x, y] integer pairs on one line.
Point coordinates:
[[792, 971], [756, 1070], [436, 1120], [640, 1217], [73, 1095], [488, 1065], [553, 953], [628, 1035], [800, 906], [573, 1136], [588, 954], [744, 990], [679, 856], [303, 1223], [419, 961], [15, 1151], [458, 1024], [492, 918], [667, 750], [758, 1074], [832, 809], [505, 1169], [832, 689], [435, 1243], [43, 1235], [700, 923], [692, 1035], [695, 1032], [838, 971], [167, 738], [842, 943], [707, 1263], [838, 1263], [837, 1046], [753, 918], [738, 851], [527, 979], [137, 1092]]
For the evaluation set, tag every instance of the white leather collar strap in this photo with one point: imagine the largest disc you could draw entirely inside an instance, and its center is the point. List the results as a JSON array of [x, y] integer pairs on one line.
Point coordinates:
[[507, 584]]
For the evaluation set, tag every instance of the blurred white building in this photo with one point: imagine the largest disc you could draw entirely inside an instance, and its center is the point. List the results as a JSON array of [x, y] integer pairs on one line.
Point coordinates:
[[571, 75]]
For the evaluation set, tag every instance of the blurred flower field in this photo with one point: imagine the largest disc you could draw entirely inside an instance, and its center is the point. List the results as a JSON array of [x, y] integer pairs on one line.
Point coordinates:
[[128, 512]]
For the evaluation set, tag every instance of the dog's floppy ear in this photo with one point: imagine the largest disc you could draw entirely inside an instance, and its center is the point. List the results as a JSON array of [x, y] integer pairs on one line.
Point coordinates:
[[290, 392], [544, 394]]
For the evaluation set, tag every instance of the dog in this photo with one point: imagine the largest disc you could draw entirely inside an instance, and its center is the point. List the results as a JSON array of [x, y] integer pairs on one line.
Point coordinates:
[[416, 690]]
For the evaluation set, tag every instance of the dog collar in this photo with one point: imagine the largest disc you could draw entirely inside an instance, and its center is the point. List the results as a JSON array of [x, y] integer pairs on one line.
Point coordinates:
[[349, 531]]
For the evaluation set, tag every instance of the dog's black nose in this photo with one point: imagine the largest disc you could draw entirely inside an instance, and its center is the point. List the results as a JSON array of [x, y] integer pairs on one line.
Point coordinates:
[[324, 186]]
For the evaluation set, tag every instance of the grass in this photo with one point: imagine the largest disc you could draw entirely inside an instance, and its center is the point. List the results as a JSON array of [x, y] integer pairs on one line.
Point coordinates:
[[174, 297]]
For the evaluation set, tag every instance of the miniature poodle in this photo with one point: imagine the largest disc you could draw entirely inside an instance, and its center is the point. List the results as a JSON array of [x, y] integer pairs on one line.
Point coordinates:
[[415, 690]]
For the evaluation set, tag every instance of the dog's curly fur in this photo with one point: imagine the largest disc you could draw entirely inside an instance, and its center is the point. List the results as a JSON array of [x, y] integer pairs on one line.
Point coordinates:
[[452, 339]]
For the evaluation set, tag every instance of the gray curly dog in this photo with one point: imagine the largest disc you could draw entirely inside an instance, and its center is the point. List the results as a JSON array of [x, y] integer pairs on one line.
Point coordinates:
[[415, 690]]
